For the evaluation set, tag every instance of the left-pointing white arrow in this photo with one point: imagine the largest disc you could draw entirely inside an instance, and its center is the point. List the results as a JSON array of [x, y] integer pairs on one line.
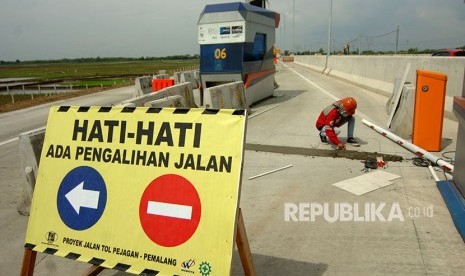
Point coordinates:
[[78, 197]]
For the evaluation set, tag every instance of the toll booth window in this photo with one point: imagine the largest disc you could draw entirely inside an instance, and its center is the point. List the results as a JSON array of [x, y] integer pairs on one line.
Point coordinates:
[[255, 51], [218, 58]]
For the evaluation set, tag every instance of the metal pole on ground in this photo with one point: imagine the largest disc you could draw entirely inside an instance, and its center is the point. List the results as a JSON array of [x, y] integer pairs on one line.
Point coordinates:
[[411, 147], [266, 173]]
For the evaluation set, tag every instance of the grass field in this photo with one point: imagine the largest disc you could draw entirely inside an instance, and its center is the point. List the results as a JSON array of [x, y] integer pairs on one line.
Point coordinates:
[[96, 76], [25, 101], [97, 83], [79, 70]]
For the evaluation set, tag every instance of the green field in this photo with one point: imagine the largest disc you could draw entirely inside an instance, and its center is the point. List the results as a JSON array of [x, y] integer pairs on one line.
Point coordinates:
[[87, 76], [79, 70], [97, 83]]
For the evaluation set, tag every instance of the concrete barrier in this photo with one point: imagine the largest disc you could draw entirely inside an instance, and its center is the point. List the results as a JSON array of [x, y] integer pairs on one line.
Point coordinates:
[[197, 76], [288, 59], [177, 77], [230, 95], [30, 148], [189, 76], [378, 73], [259, 90], [172, 101], [402, 121], [184, 90], [160, 77], [143, 86]]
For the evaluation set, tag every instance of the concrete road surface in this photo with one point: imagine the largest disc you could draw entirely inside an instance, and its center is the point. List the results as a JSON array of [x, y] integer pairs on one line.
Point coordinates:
[[420, 239]]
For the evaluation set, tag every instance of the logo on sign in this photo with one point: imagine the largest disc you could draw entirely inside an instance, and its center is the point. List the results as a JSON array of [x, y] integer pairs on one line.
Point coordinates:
[[237, 29], [188, 264], [225, 30], [170, 210], [51, 237], [205, 268]]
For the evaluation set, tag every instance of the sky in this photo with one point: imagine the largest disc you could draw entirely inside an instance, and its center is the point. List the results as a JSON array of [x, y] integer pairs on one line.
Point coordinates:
[[56, 29]]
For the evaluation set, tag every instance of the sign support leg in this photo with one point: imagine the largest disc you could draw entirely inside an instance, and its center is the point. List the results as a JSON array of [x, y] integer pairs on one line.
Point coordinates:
[[93, 270], [244, 248], [29, 261]]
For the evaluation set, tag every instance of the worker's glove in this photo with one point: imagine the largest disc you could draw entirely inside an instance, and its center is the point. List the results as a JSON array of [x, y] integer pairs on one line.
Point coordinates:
[[341, 146]]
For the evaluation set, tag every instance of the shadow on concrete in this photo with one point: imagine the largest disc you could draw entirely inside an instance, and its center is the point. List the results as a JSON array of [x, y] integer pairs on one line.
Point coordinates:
[[274, 266], [267, 266], [445, 142], [361, 142], [278, 97]]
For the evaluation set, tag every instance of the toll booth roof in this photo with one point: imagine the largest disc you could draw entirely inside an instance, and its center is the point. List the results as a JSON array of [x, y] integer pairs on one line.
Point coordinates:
[[241, 7]]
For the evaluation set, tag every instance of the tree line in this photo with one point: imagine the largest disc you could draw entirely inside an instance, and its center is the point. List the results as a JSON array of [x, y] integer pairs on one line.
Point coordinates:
[[411, 51]]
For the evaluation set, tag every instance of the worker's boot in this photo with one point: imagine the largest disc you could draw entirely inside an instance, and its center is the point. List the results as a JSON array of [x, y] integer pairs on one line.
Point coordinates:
[[351, 141]]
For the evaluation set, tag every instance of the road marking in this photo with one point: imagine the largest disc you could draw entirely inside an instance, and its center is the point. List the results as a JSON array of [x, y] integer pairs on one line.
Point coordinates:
[[169, 210], [361, 114], [314, 84], [8, 141]]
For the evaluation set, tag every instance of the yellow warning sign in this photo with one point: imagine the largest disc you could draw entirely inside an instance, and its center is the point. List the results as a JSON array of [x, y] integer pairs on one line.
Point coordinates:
[[142, 190]]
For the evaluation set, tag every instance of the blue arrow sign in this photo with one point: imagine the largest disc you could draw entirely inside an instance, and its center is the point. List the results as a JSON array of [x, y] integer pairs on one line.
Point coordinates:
[[81, 198]]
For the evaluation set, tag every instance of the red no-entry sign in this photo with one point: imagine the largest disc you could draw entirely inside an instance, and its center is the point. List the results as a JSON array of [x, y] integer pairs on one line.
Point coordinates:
[[170, 210]]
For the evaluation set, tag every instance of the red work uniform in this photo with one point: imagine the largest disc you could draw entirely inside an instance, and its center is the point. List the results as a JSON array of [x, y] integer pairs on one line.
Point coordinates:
[[329, 119]]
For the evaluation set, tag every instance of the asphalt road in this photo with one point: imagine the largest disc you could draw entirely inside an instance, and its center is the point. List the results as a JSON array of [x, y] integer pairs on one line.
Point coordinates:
[[16, 122]]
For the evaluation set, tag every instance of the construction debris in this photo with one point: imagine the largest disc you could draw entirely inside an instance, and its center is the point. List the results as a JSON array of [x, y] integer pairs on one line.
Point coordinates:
[[265, 173], [367, 183], [411, 147]]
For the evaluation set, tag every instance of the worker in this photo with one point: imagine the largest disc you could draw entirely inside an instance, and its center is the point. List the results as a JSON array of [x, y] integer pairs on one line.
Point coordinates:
[[333, 117]]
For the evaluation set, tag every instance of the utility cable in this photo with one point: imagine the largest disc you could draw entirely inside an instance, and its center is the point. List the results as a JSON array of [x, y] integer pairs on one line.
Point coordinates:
[[449, 159], [420, 162]]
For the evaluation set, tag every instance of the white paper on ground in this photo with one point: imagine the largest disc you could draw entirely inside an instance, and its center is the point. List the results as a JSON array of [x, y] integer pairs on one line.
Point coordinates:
[[368, 182]]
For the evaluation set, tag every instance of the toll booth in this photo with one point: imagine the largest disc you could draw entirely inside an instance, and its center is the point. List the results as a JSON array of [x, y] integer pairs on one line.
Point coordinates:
[[236, 44]]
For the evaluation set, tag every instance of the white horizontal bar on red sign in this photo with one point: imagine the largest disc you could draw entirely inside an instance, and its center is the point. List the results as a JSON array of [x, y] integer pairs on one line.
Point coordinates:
[[169, 210]]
